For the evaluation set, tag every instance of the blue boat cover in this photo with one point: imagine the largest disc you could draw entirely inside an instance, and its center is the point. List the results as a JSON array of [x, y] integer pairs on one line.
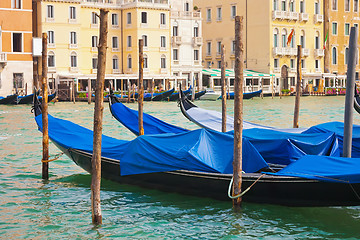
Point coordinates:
[[198, 150], [323, 168], [338, 129], [129, 118]]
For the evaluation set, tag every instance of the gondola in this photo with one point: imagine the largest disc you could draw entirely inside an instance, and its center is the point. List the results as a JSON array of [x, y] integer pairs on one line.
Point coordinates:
[[197, 95], [163, 95], [11, 99], [50, 97], [26, 99], [357, 101], [245, 95], [212, 119], [175, 95], [181, 163]]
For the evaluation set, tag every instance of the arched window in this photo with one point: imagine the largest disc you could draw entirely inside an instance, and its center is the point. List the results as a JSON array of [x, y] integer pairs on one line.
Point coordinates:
[[115, 62], [293, 40], [129, 62], [94, 61], [145, 40], [334, 55], [276, 36], [283, 37], [275, 5], [317, 7], [146, 64], [73, 59], [302, 39], [283, 5], [292, 5], [163, 61], [317, 40], [51, 59]]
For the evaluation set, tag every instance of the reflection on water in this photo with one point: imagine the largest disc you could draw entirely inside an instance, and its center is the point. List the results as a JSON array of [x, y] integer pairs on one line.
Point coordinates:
[[60, 208]]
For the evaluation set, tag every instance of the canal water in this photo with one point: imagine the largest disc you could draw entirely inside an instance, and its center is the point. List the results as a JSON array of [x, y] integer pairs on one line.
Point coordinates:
[[60, 208]]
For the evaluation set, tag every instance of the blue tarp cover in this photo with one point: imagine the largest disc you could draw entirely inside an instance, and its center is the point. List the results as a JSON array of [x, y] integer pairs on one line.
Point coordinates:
[[129, 118], [199, 150], [323, 168]]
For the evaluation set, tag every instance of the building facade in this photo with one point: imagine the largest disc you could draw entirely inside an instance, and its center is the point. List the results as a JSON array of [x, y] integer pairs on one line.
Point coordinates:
[[16, 67], [186, 39], [267, 25]]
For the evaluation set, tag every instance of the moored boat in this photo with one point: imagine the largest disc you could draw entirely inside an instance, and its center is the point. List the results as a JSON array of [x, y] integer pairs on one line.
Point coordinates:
[[11, 99]]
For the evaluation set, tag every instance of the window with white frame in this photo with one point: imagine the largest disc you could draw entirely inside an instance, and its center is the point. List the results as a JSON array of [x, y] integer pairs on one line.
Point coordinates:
[[129, 44], [208, 15], [51, 38], [175, 54], [233, 11], [347, 29], [196, 55], [50, 11], [334, 5], [302, 39], [72, 13], [163, 41], [292, 63], [291, 6], [317, 7], [275, 5], [146, 62], [73, 59], [356, 5], [16, 4], [276, 63], [302, 63], [219, 14], [129, 62], [128, 18], [162, 19], [143, 17], [346, 55], [175, 31], [334, 28], [218, 64], [94, 18], [317, 64], [51, 59], [163, 61], [218, 47], [276, 37], [196, 31], [302, 6], [208, 48], [347, 5], [283, 38], [94, 41], [283, 5], [317, 40], [115, 42], [73, 39], [115, 62], [114, 19], [145, 40], [334, 55], [17, 42], [94, 62], [187, 7]]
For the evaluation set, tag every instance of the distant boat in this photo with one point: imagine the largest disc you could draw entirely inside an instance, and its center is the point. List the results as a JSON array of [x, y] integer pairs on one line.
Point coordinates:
[[163, 95], [11, 99], [175, 95], [210, 95], [245, 95]]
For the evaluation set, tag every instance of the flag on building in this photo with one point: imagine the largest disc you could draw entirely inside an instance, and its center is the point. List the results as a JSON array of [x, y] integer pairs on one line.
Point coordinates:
[[290, 37], [326, 38]]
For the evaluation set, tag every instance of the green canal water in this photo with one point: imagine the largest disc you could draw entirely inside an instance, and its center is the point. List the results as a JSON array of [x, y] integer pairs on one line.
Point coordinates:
[[60, 208]]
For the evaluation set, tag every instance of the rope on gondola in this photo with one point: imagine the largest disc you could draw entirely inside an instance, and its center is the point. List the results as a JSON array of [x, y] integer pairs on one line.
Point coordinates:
[[57, 156], [246, 190]]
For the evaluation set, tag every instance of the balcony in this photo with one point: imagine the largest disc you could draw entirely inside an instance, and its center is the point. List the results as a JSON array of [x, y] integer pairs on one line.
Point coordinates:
[[51, 69], [287, 15], [74, 69], [293, 70], [304, 70], [278, 51], [304, 17], [72, 21], [287, 51], [73, 45], [197, 41], [294, 16], [318, 52], [277, 15], [116, 71], [144, 3], [318, 18], [176, 40], [305, 52], [115, 50], [163, 70], [293, 51], [3, 57], [276, 69]]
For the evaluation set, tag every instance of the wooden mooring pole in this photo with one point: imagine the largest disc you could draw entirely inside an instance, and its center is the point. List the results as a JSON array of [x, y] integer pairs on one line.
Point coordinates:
[[89, 91], [223, 90], [44, 106], [98, 117], [298, 88], [238, 109], [141, 87], [350, 89]]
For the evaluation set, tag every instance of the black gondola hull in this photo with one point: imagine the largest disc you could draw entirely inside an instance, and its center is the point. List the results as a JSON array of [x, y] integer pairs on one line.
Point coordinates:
[[269, 189], [12, 99]]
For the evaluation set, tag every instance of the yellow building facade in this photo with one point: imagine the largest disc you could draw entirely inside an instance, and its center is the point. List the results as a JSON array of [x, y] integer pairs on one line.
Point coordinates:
[[73, 33], [267, 25], [16, 67]]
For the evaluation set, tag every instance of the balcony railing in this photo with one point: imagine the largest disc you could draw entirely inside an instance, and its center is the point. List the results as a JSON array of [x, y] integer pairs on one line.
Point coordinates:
[[278, 51], [318, 18], [176, 40], [116, 71], [319, 52], [277, 14], [74, 69], [197, 41], [72, 45], [305, 52], [3, 57], [276, 69], [294, 16], [304, 17]]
